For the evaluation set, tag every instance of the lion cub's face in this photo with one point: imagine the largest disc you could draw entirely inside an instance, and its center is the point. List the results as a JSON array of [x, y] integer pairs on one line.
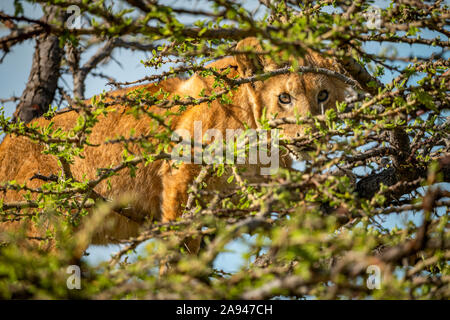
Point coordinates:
[[292, 94]]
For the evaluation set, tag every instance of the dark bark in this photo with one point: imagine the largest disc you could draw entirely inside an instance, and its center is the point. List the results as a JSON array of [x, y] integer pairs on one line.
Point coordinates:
[[45, 72], [369, 186]]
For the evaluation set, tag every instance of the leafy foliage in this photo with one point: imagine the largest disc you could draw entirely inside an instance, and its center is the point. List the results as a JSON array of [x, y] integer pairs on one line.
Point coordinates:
[[315, 231]]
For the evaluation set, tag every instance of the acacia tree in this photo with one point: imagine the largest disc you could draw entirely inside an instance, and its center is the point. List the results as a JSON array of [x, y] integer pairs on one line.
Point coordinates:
[[316, 232]]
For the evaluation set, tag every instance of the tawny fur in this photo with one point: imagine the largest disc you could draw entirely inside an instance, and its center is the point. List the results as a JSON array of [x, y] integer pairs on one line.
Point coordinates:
[[159, 191]]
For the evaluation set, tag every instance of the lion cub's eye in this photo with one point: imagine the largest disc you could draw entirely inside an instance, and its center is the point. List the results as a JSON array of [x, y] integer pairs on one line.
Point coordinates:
[[322, 96], [284, 98]]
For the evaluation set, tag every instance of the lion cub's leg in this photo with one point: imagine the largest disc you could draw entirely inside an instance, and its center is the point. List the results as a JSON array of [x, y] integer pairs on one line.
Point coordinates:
[[176, 182]]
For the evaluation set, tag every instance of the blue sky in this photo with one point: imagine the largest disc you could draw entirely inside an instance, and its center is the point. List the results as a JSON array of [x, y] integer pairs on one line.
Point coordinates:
[[15, 69]]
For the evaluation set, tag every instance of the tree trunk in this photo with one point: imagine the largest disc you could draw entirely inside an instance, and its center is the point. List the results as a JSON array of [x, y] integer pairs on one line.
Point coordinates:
[[45, 71]]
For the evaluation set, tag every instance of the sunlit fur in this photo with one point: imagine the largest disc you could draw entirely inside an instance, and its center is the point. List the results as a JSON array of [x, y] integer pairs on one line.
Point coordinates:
[[159, 190]]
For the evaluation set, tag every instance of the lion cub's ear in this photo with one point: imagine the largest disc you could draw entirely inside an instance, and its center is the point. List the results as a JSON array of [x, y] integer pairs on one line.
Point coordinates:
[[250, 64]]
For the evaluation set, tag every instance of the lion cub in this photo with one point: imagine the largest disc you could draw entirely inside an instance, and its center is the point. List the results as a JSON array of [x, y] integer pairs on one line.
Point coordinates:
[[160, 190]]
